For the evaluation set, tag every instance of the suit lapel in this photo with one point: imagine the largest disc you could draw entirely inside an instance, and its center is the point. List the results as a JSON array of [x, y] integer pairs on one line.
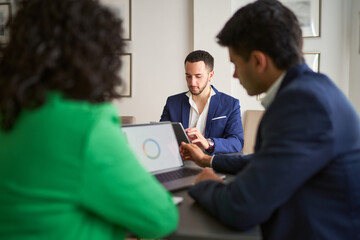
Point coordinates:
[[214, 103], [185, 108]]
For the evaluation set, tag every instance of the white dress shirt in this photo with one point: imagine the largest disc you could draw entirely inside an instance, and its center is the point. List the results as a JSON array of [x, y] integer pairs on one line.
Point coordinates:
[[272, 91], [197, 120]]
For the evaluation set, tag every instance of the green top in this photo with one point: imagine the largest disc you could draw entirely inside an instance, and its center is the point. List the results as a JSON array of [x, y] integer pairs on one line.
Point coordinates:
[[66, 172]]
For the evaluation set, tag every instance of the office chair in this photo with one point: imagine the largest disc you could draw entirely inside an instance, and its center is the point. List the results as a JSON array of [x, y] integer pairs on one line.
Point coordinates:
[[127, 119], [251, 122]]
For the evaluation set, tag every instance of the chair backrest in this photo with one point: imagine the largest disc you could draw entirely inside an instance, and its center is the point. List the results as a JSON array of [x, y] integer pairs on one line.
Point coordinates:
[[250, 125], [127, 120]]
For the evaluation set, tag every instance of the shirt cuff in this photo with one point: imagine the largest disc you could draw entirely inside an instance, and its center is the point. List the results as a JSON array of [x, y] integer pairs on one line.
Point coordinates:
[[211, 160]]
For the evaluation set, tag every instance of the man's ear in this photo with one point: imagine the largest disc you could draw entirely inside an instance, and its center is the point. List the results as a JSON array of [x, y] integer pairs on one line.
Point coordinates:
[[260, 60], [211, 75]]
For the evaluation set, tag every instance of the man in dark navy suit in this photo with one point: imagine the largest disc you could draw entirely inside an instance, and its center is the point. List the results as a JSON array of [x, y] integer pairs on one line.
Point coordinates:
[[303, 180], [211, 118]]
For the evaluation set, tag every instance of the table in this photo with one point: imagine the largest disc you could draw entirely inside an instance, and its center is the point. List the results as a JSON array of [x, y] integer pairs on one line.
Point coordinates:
[[196, 223]]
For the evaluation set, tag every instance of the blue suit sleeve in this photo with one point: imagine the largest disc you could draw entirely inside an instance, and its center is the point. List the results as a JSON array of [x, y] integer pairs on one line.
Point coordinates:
[[233, 139], [296, 144], [230, 162], [165, 116]]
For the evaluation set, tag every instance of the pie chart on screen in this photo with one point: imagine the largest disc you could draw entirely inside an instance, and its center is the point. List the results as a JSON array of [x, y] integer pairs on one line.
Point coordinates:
[[151, 148]]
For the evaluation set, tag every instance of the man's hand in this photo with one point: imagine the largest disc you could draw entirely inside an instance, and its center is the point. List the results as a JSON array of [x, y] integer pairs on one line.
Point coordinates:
[[193, 153], [207, 174], [197, 138]]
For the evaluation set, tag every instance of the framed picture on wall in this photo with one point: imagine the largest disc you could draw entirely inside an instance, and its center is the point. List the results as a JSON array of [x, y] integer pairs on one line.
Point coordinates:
[[308, 13], [122, 8], [312, 59], [125, 75], [5, 15]]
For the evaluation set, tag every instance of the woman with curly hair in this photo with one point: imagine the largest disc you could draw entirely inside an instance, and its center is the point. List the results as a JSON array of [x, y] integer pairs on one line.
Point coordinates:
[[66, 171]]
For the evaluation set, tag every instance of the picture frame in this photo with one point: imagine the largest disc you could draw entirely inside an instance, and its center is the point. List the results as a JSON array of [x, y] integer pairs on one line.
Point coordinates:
[[5, 15], [308, 13], [125, 73], [122, 8], [359, 32], [312, 59]]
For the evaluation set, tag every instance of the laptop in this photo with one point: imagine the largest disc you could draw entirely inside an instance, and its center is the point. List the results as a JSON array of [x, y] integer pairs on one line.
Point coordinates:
[[157, 149]]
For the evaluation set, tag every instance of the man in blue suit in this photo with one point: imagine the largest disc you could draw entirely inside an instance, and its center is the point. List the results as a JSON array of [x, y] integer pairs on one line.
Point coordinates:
[[211, 119], [303, 181]]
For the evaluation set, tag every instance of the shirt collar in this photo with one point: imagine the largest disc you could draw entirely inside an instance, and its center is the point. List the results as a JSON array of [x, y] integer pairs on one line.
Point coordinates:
[[272, 91]]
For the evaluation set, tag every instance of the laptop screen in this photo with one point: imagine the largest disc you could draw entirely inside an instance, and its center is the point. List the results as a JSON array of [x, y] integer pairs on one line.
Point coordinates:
[[155, 145]]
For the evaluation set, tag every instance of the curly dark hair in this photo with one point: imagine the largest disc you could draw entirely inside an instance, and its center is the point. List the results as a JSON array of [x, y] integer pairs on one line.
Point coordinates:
[[267, 26], [69, 46], [201, 55]]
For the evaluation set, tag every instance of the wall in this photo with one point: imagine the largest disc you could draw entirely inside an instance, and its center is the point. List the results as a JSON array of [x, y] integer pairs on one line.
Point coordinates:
[[165, 31], [162, 35], [206, 27]]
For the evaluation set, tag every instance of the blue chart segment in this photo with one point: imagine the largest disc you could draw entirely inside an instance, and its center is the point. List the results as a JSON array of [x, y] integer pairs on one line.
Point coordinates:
[[151, 148]]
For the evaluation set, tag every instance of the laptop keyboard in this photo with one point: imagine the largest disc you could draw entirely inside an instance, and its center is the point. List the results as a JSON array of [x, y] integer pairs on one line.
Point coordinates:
[[173, 175]]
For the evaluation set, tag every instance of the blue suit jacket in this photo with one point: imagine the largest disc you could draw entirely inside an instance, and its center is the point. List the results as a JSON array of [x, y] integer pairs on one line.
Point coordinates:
[[303, 181], [223, 122]]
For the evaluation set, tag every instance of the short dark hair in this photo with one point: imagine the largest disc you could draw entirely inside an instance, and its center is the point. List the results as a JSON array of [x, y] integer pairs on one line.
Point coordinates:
[[69, 46], [201, 55], [267, 26]]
